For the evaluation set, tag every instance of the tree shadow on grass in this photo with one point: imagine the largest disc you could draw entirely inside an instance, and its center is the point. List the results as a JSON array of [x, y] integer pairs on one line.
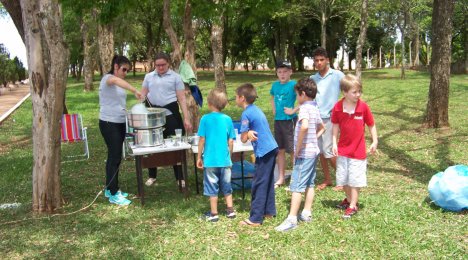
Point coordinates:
[[412, 168]]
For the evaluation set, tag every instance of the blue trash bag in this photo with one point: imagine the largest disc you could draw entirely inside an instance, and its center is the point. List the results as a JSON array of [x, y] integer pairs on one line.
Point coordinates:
[[449, 189], [249, 171]]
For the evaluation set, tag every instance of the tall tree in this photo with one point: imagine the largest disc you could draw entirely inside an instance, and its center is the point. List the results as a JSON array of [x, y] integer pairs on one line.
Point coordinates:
[[88, 36], [323, 11], [437, 104], [47, 65], [362, 37], [402, 23], [217, 45], [189, 36], [176, 54]]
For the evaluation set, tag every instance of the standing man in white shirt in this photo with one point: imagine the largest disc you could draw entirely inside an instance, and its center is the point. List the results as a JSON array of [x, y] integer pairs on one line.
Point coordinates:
[[328, 92]]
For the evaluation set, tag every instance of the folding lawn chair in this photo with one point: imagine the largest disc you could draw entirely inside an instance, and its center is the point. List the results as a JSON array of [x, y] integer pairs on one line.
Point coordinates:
[[72, 131]]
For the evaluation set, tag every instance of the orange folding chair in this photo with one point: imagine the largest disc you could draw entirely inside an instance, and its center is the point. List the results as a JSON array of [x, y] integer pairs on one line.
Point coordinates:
[[72, 131]]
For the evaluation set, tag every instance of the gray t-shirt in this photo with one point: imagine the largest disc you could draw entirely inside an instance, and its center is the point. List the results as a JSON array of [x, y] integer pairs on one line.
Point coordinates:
[[162, 88], [112, 100]]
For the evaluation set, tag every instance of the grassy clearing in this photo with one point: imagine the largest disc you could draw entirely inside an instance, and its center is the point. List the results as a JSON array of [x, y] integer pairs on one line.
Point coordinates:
[[396, 220]]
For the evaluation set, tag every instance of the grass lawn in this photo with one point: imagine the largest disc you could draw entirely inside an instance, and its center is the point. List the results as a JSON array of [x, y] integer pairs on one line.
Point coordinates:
[[396, 219]]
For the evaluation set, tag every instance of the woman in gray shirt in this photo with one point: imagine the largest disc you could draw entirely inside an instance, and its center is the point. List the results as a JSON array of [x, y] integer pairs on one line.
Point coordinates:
[[164, 88], [112, 101]]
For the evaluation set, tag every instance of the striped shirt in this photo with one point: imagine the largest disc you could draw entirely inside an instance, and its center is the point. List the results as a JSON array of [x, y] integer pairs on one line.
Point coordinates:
[[308, 110]]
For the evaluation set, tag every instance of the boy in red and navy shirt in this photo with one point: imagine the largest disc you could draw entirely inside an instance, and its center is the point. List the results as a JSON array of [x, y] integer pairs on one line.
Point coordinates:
[[349, 117]]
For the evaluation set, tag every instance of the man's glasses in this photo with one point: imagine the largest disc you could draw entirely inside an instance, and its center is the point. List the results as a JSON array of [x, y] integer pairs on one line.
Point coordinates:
[[161, 65], [125, 69]]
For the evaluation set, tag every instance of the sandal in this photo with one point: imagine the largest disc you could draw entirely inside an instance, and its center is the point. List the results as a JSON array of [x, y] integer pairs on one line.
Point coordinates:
[[338, 188], [249, 223], [323, 186]]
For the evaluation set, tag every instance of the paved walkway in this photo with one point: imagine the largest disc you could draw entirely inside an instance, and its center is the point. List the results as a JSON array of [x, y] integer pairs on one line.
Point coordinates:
[[10, 100]]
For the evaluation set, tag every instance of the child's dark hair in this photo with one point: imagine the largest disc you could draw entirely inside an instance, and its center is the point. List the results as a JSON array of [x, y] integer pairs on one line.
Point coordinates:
[[247, 90], [350, 81], [308, 86], [162, 55], [217, 98], [119, 60], [320, 51]]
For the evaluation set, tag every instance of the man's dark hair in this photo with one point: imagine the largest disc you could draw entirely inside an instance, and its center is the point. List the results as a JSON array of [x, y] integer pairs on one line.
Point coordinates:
[[308, 86], [320, 51]]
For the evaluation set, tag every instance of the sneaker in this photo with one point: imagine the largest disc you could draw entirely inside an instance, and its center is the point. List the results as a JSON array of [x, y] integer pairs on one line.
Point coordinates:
[[107, 193], [344, 204], [209, 217], [304, 218], [286, 226], [150, 181], [119, 200], [350, 212], [231, 214]]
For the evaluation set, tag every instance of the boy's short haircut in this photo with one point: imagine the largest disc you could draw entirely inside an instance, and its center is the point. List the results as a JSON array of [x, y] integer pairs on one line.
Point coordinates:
[[217, 98], [308, 86], [247, 90], [320, 51], [350, 81]]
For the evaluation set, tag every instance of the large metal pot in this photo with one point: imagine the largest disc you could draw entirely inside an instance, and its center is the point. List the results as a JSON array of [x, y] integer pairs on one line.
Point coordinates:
[[156, 117], [149, 137]]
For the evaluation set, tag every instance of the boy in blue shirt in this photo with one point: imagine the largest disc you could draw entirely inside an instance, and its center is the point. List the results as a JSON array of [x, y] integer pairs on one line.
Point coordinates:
[[283, 98], [254, 127], [216, 133]]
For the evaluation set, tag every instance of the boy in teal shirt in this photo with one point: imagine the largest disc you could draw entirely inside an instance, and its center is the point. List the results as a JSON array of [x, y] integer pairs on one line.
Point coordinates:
[[283, 98], [216, 133]]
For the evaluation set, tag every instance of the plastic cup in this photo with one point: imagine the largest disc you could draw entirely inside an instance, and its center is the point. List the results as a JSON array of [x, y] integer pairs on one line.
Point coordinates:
[[178, 133]]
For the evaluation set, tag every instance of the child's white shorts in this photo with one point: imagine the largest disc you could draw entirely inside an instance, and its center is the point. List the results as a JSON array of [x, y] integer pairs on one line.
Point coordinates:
[[351, 172]]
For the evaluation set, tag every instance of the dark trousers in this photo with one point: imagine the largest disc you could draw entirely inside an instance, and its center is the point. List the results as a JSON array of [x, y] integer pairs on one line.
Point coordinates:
[[263, 187], [169, 129], [114, 135]]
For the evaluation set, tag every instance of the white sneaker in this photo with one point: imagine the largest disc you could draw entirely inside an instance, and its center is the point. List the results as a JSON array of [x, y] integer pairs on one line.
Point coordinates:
[[150, 181], [305, 218], [287, 225]]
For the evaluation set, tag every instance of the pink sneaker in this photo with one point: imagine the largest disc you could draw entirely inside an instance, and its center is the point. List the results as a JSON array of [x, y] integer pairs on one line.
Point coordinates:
[[350, 212]]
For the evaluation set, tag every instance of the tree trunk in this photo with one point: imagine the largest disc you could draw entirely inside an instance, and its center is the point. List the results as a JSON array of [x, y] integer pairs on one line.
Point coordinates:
[[403, 35], [88, 66], [323, 30], [291, 53], [403, 53], [189, 37], [73, 70], [48, 65], [417, 46], [78, 73], [176, 54], [361, 38], [106, 45], [465, 40], [437, 104], [217, 48]]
